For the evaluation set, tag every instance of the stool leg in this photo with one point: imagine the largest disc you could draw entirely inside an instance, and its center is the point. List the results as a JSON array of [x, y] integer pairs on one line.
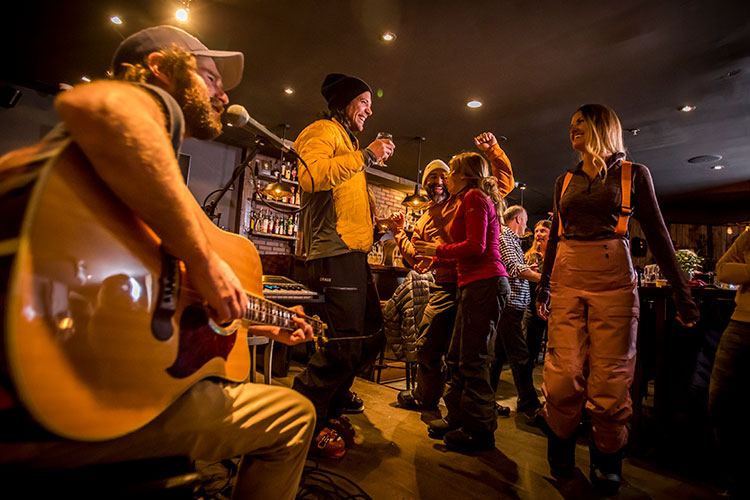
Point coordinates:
[[268, 361], [252, 364]]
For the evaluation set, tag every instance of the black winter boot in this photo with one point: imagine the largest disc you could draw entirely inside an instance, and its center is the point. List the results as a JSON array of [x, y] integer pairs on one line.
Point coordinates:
[[561, 455], [606, 470]]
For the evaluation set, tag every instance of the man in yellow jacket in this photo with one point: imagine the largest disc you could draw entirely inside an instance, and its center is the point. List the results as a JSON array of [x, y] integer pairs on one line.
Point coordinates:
[[337, 234]]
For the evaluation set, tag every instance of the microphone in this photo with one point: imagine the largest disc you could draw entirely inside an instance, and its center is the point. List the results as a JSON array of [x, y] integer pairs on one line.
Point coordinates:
[[237, 116]]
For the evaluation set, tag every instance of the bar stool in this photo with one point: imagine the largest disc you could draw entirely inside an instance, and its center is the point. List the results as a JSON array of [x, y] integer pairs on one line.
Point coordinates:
[[253, 342]]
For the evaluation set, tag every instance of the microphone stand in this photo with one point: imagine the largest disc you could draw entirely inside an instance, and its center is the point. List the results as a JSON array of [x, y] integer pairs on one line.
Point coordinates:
[[210, 208]]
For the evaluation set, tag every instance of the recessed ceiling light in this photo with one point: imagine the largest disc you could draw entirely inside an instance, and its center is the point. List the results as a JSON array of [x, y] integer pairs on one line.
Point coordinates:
[[115, 20], [182, 14], [474, 104], [633, 131], [687, 108], [717, 167], [729, 230], [85, 78], [388, 36], [705, 158], [289, 91]]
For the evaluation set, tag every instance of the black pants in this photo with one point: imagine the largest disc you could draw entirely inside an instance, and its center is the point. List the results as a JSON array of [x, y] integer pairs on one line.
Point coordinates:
[[352, 308], [534, 330], [727, 402], [435, 332], [469, 396], [511, 345]]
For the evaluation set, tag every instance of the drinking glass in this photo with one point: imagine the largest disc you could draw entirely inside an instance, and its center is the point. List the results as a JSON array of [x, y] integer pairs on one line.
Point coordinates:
[[383, 135]]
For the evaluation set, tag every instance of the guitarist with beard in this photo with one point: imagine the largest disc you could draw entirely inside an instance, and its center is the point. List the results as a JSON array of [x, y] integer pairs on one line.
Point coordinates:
[[167, 84]]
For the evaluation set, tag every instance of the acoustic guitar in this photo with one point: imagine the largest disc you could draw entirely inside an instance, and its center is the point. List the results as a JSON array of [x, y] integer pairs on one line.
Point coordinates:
[[102, 330]]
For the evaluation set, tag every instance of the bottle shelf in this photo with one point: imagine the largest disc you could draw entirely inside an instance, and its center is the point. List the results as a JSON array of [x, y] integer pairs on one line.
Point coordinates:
[[272, 235], [275, 203], [275, 178]]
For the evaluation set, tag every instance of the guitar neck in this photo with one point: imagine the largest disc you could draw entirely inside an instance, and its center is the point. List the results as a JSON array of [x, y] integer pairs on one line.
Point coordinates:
[[262, 311]]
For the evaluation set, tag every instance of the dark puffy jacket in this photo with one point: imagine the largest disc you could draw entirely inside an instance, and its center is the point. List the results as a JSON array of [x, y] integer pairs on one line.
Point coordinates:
[[403, 312]]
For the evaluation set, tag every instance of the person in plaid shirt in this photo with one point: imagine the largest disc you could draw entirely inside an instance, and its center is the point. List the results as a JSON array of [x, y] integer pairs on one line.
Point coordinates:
[[509, 341]]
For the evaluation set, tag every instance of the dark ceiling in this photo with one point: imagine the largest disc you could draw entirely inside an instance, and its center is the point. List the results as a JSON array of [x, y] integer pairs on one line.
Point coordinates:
[[531, 64]]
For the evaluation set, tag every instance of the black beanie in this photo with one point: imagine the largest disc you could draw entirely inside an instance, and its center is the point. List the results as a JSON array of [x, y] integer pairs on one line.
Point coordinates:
[[339, 89]]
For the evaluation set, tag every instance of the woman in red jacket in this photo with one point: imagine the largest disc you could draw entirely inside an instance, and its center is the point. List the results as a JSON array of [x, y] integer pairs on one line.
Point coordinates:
[[482, 292], [593, 309]]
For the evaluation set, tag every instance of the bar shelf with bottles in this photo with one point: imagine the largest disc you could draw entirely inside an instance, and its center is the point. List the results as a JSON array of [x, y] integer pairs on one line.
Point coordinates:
[[262, 222], [276, 170]]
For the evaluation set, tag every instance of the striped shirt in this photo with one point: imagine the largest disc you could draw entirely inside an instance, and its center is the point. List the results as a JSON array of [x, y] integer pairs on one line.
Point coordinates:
[[515, 263]]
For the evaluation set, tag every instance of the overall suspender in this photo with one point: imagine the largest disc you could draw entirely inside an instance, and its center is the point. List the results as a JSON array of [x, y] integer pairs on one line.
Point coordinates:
[[625, 208]]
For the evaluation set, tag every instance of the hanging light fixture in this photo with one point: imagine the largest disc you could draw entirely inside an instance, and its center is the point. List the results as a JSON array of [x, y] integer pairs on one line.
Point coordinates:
[[277, 190], [417, 200]]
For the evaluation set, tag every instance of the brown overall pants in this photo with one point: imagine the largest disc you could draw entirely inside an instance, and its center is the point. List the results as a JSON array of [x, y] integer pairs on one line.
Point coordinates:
[[591, 351]]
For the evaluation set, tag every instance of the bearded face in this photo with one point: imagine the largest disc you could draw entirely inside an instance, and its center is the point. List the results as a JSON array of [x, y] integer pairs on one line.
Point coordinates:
[[435, 187], [202, 116]]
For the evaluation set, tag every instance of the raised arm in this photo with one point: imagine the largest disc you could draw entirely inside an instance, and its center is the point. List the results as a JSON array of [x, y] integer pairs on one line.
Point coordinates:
[[499, 161]]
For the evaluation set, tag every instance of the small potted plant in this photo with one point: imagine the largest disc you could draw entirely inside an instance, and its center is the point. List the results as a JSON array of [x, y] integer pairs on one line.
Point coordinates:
[[689, 261]]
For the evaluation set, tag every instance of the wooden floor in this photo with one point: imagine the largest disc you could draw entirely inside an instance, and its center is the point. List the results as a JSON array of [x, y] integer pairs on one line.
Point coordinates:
[[393, 458]]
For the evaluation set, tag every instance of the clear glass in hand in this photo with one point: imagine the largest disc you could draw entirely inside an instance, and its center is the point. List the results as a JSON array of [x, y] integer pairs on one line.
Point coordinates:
[[383, 135]]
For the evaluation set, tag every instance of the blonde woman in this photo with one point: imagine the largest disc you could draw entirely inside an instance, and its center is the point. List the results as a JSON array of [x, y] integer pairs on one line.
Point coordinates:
[[593, 310], [482, 292]]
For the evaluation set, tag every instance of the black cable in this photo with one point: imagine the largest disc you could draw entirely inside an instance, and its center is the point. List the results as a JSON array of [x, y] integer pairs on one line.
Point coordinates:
[[321, 484], [205, 200]]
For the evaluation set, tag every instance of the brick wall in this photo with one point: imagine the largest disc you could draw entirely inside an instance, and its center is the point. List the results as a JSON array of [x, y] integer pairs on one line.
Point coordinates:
[[387, 200], [266, 245]]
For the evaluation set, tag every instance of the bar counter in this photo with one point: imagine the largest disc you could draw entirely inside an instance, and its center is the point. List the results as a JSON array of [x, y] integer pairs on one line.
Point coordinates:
[[679, 361]]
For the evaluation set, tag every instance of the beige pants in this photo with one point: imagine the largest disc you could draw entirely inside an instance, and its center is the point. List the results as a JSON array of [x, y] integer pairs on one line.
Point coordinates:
[[591, 350], [271, 427]]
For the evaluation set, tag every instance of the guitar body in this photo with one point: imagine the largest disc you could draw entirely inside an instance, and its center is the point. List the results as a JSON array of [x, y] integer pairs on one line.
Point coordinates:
[[102, 331]]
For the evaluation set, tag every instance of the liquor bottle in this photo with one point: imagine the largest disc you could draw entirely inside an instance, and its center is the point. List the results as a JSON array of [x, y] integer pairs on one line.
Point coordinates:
[[294, 173], [284, 171], [266, 222]]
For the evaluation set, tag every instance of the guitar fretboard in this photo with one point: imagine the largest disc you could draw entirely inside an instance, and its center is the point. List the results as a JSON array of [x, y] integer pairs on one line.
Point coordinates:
[[261, 311]]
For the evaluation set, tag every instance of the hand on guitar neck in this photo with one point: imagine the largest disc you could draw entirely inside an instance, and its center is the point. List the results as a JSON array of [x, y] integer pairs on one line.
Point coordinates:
[[304, 333], [227, 301]]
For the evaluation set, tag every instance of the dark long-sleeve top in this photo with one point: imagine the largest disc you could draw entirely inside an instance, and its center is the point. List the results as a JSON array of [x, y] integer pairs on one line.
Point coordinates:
[[589, 211], [475, 231]]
